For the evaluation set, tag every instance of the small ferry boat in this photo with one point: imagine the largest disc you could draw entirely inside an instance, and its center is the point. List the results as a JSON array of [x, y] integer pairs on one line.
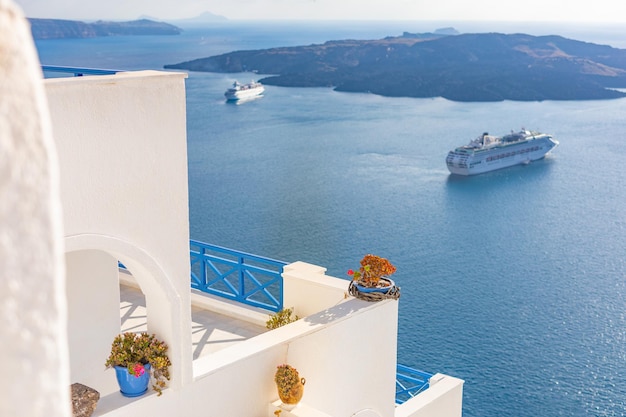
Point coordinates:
[[244, 91], [488, 153]]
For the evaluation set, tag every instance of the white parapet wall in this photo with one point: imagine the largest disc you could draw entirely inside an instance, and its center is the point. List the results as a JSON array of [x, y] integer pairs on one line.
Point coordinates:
[[331, 349], [308, 290]]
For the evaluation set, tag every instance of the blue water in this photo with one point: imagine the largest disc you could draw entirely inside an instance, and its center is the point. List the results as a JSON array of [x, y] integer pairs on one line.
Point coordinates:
[[514, 281]]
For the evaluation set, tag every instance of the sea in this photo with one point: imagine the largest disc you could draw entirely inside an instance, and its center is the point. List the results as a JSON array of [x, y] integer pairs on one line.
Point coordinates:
[[514, 281]]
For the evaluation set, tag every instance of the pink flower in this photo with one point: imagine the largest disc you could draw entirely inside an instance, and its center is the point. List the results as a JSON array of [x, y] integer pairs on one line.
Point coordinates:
[[350, 272], [138, 370]]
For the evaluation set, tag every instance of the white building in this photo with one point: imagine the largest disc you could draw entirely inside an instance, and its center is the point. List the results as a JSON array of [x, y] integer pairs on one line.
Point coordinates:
[[95, 168]]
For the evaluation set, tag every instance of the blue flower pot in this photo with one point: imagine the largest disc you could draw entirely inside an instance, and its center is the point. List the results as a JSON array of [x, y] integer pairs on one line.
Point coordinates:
[[131, 385]]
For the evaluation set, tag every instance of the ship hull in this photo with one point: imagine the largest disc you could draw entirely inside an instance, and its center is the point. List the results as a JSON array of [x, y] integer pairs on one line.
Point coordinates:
[[244, 94], [463, 162]]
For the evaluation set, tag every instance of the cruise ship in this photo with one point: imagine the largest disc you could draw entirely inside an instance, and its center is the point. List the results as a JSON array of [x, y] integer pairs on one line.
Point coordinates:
[[488, 153], [244, 91]]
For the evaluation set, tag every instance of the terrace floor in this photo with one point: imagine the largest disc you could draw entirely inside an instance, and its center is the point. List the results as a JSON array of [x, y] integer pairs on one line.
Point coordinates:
[[210, 331]]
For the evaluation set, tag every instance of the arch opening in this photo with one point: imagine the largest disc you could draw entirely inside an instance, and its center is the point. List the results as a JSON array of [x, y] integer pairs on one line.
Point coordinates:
[[94, 315]]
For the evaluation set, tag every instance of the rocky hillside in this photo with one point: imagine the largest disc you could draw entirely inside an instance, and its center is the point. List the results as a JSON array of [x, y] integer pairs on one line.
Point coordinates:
[[467, 67], [55, 28]]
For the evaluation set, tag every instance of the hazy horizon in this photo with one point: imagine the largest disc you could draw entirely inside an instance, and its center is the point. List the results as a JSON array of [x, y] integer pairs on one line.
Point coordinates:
[[601, 11]]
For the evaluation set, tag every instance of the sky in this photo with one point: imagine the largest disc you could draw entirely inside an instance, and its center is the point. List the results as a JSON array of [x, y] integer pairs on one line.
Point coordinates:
[[438, 10]]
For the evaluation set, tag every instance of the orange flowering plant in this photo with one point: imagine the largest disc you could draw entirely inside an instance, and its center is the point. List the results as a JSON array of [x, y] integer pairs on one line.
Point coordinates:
[[372, 269]]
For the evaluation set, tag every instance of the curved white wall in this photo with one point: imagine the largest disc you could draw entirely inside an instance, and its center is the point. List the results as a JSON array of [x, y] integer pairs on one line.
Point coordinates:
[[34, 381]]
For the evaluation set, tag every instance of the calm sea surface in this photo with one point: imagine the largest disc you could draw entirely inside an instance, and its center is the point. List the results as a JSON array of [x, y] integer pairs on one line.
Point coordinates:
[[514, 281]]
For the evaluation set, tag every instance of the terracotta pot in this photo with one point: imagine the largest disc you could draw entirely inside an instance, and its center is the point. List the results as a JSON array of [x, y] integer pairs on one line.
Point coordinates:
[[293, 396]]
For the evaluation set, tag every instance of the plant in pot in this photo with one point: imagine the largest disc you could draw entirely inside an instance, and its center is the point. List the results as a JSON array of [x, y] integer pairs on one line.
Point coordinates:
[[371, 281], [136, 357], [289, 385]]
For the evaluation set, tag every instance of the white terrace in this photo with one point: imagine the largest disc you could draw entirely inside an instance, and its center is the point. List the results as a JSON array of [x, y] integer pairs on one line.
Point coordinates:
[[122, 158]]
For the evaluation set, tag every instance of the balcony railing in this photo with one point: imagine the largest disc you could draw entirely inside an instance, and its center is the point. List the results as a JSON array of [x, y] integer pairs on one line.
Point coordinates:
[[409, 383], [249, 279]]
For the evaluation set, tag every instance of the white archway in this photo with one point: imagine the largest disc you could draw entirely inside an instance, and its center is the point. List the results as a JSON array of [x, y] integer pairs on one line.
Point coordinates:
[[93, 300]]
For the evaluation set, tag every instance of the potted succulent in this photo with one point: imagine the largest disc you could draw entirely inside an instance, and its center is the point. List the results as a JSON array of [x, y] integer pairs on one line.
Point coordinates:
[[136, 357], [371, 281], [289, 385]]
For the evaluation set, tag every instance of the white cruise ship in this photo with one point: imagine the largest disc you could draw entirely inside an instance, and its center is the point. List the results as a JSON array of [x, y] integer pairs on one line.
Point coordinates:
[[244, 91], [488, 153]]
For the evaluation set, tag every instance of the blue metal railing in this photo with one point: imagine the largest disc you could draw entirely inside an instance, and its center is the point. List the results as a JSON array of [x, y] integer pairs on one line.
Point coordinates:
[[410, 382], [78, 71], [249, 279]]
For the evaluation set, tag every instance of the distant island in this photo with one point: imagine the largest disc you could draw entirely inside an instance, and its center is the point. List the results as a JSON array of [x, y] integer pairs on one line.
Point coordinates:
[[203, 18], [459, 67], [59, 29]]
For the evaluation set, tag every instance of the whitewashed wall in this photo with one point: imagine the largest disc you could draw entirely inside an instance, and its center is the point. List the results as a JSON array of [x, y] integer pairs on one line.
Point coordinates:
[[122, 150]]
